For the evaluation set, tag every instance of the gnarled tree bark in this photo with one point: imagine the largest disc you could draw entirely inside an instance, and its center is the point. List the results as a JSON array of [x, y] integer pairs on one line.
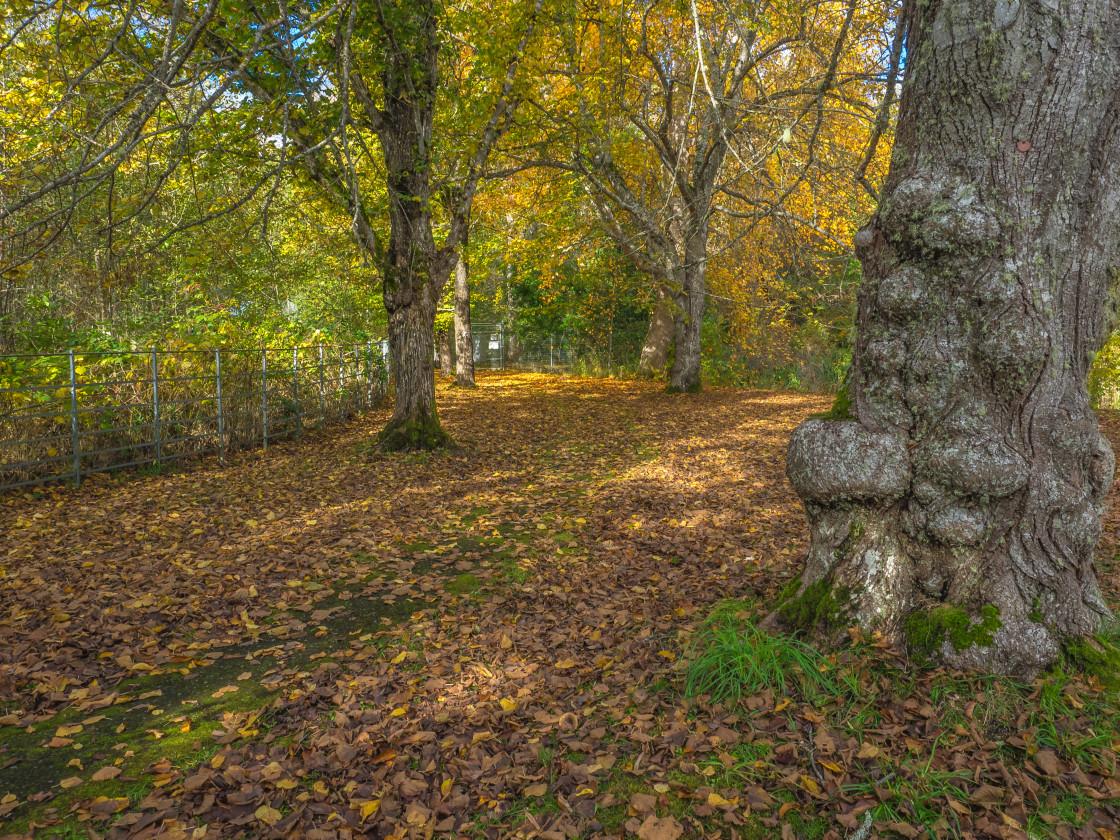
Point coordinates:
[[958, 505]]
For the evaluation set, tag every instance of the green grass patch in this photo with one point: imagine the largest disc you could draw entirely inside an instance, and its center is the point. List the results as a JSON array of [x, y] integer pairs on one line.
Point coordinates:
[[731, 657]]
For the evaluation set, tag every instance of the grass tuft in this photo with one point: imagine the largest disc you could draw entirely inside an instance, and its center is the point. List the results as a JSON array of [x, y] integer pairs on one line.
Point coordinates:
[[732, 658]]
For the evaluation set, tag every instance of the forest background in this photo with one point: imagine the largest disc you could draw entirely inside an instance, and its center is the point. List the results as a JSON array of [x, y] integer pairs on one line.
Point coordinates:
[[201, 233]]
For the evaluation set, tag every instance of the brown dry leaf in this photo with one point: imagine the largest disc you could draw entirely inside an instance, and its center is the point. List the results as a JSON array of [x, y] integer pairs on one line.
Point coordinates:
[[642, 803], [868, 750], [71, 782], [106, 773], [660, 828], [986, 796], [104, 805], [1048, 762], [536, 790], [904, 829]]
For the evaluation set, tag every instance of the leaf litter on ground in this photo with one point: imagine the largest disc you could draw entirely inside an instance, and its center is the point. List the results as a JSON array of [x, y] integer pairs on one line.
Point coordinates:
[[496, 642]]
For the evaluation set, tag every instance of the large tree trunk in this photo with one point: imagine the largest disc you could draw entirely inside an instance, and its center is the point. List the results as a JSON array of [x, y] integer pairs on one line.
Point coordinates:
[[464, 344], [955, 495], [688, 317], [414, 272], [446, 362], [659, 337]]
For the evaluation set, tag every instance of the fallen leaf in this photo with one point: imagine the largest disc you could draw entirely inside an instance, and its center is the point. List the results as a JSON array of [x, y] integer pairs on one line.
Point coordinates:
[[660, 828]]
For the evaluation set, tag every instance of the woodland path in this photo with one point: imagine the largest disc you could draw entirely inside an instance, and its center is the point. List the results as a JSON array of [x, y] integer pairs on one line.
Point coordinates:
[[324, 641]]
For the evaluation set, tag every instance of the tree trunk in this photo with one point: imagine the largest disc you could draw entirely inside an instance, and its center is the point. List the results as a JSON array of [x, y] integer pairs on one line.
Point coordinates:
[[464, 344], [659, 338], [413, 270], [446, 362], [684, 376], [955, 494]]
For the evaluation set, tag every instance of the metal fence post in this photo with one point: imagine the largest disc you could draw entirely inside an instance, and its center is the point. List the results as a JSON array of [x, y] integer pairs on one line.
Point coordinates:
[[264, 397], [221, 418], [295, 392], [357, 379], [74, 422], [155, 407], [322, 398], [341, 386], [369, 376]]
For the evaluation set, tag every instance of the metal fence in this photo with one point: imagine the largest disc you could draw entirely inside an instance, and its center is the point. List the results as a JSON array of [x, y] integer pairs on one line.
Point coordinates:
[[497, 348], [66, 415]]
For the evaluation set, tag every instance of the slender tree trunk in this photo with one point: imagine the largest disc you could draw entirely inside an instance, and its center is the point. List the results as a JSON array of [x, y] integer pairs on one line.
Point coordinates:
[[688, 295], [955, 495], [446, 362], [464, 344], [659, 337]]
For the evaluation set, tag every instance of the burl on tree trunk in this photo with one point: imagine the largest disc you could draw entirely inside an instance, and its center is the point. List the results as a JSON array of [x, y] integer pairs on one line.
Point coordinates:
[[955, 492]]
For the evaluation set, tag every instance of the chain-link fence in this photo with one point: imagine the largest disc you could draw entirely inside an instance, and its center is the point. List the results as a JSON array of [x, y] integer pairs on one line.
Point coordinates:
[[65, 415]]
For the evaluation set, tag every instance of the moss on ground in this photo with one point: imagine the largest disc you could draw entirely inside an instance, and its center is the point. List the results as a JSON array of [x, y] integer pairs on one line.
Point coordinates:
[[927, 631], [463, 584], [1094, 657]]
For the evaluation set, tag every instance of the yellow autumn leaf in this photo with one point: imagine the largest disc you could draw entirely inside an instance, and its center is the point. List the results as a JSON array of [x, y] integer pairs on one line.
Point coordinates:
[[73, 781], [566, 663], [399, 658], [366, 809], [445, 787], [396, 712], [267, 815], [716, 801], [508, 705]]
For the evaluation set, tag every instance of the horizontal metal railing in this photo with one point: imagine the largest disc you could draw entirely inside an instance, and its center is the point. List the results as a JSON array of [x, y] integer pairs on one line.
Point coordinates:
[[65, 415]]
